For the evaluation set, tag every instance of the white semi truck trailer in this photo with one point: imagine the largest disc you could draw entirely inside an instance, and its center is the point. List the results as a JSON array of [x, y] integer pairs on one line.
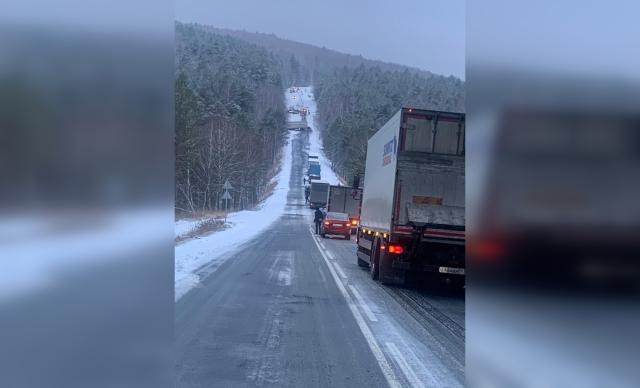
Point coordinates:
[[343, 199], [413, 215]]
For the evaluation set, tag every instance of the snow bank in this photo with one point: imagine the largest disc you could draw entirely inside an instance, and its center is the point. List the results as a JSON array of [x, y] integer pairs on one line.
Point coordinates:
[[185, 226], [214, 249], [41, 250]]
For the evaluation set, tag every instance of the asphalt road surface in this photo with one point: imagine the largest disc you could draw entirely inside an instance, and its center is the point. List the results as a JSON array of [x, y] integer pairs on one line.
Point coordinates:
[[292, 309]]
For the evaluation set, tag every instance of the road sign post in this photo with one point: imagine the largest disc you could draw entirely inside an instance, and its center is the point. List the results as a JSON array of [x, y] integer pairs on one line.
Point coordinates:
[[226, 196]]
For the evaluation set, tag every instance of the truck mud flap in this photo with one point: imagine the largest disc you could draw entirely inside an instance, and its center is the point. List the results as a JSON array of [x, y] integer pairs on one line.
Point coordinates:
[[389, 273]]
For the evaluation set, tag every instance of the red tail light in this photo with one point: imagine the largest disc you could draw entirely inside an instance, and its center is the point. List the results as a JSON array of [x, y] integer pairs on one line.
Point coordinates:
[[354, 222], [326, 222], [396, 249]]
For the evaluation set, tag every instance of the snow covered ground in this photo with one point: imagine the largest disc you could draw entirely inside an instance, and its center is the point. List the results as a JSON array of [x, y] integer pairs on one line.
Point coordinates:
[[211, 251], [42, 250], [185, 226]]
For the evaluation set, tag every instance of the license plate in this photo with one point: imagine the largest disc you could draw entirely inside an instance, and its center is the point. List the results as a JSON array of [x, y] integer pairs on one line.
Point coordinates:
[[338, 225], [455, 271]]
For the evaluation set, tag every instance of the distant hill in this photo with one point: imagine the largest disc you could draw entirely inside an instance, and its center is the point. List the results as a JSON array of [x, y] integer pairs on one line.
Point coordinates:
[[312, 57]]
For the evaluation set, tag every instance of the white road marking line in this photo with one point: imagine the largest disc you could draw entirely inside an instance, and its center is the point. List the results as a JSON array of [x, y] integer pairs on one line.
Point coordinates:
[[385, 367], [282, 269], [324, 280], [402, 363], [330, 256], [363, 304], [284, 277], [339, 270], [272, 267]]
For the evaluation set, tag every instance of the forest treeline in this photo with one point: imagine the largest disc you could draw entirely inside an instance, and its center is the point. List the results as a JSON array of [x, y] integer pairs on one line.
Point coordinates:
[[229, 119], [312, 60], [353, 103], [230, 111]]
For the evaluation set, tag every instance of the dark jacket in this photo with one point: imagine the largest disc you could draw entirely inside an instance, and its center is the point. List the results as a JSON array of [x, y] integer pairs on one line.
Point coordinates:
[[318, 216]]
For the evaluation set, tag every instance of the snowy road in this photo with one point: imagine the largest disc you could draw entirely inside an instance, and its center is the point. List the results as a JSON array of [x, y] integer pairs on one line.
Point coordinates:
[[289, 309]]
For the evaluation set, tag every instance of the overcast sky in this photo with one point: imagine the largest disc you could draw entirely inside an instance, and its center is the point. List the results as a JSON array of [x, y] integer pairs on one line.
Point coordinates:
[[428, 34], [571, 36]]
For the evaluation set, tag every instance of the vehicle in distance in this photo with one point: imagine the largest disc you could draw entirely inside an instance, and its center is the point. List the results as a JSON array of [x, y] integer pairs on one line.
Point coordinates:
[[347, 200], [336, 224], [314, 170], [318, 195], [412, 216], [300, 125]]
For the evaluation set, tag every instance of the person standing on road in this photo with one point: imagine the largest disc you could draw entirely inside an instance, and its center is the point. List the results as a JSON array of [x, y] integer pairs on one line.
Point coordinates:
[[307, 191], [318, 217]]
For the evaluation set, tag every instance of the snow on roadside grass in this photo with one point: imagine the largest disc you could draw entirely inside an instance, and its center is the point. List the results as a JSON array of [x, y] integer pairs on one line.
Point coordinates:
[[183, 227], [214, 249]]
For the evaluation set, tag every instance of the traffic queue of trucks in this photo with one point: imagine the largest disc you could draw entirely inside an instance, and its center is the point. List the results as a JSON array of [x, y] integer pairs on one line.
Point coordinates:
[[413, 216], [410, 215]]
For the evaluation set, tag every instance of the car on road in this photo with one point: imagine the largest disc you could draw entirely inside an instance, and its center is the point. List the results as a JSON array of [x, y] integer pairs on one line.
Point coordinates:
[[336, 224]]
